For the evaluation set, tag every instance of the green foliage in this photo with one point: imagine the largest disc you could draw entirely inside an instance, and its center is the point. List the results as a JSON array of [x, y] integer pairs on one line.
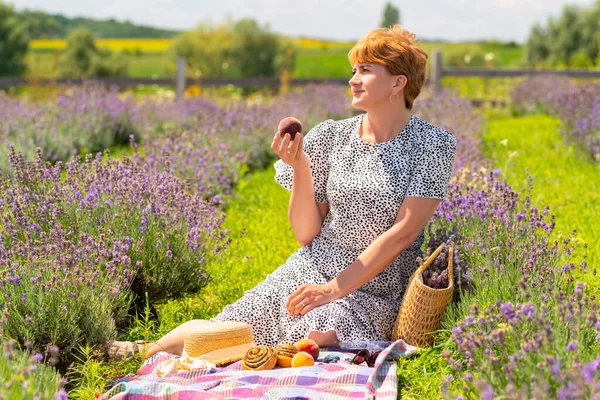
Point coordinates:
[[568, 41], [565, 179], [89, 373], [25, 377], [581, 60], [41, 25], [255, 49], [243, 48], [391, 16], [82, 59], [206, 50], [14, 43], [481, 88]]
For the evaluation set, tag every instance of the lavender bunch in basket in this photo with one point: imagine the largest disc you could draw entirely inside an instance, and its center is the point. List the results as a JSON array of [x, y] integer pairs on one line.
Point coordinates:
[[436, 274]]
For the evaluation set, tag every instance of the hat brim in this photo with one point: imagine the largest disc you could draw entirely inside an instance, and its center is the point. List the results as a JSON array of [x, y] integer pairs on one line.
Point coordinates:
[[227, 352]]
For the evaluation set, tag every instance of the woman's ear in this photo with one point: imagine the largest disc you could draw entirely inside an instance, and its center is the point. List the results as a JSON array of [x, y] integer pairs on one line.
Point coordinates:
[[401, 81]]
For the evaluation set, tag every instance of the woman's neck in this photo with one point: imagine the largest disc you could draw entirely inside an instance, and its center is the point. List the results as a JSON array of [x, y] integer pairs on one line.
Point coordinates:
[[381, 128]]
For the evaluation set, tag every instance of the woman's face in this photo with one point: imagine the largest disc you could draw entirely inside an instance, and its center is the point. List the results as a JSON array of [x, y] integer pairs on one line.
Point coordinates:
[[372, 86]]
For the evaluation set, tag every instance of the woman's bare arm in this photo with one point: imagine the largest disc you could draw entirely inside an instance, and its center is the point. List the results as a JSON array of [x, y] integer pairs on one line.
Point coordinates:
[[412, 217], [305, 216], [303, 212]]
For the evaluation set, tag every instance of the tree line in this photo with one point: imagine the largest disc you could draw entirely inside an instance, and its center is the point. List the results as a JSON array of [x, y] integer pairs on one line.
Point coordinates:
[[248, 49]]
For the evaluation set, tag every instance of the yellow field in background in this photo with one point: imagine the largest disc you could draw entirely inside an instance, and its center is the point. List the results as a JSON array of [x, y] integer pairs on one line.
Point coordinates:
[[147, 45], [160, 45], [319, 44]]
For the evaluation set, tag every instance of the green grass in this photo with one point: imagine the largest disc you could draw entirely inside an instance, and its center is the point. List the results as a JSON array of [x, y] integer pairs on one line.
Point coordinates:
[[150, 65], [564, 177], [310, 63], [263, 239], [146, 65], [496, 89], [316, 63]]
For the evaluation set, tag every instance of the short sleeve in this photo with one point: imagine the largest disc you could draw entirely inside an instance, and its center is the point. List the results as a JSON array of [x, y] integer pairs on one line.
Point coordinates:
[[433, 168], [316, 146]]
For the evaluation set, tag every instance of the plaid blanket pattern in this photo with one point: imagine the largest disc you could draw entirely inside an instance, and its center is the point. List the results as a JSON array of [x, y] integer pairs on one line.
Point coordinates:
[[341, 380]]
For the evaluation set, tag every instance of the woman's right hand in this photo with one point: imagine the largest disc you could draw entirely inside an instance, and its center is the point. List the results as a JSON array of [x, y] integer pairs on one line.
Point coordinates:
[[290, 153]]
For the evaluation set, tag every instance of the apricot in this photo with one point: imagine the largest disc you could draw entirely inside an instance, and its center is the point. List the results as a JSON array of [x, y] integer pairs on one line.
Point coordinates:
[[309, 346], [289, 125], [302, 359]]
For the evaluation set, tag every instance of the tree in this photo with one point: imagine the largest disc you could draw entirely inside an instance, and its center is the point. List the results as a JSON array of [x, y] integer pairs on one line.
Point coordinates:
[[14, 43], [569, 40], [40, 25], [82, 59], [207, 49], [255, 49], [241, 48], [391, 16]]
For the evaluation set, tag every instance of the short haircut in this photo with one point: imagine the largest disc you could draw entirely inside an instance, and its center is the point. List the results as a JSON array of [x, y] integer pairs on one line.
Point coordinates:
[[396, 49]]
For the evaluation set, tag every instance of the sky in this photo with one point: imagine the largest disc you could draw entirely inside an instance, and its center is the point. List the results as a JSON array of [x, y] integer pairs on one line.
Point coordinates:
[[451, 20]]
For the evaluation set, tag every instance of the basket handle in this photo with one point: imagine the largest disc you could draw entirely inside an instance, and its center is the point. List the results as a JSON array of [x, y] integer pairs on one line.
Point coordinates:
[[451, 264], [432, 257]]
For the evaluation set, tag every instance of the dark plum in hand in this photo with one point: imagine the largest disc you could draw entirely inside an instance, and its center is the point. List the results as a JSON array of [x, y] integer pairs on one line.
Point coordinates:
[[289, 125]]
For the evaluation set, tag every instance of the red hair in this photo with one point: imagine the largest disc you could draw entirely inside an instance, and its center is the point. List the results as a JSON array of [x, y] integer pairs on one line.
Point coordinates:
[[396, 49]]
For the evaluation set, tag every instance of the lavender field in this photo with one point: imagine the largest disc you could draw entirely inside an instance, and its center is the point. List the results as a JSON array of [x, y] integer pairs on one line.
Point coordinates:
[[87, 240]]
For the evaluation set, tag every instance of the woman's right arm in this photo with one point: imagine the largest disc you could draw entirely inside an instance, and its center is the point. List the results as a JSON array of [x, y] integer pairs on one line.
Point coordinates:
[[304, 214], [303, 170]]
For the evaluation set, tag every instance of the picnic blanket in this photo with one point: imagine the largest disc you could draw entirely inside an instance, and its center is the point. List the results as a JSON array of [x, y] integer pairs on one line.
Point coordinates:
[[341, 380]]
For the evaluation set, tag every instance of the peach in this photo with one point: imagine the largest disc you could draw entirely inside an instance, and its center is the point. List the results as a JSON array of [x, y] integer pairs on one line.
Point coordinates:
[[309, 346], [302, 359], [289, 125]]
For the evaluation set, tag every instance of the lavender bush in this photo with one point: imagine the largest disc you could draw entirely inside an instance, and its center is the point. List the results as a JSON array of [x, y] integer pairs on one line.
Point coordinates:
[[522, 280], [577, 105], [87, 118], [73, 249], [541, 93], [24, 375], [211, 145], [458, 117], [525, 349]]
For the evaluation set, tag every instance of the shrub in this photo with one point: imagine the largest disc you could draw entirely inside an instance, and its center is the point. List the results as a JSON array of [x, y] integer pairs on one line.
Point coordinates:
[[72, 249], [89, 118], [24, 376], [524, 328], [13, 43], [82, 59]]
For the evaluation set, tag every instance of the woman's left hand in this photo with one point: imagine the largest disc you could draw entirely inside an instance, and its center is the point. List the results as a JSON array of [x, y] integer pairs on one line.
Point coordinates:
[[307, 297]]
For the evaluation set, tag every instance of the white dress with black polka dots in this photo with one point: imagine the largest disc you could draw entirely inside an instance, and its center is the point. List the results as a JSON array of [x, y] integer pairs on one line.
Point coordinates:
[[364, 184]]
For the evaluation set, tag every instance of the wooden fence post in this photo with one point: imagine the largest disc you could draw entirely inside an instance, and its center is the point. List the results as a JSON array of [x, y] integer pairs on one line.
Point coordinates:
[[180, 78], [435, 73]]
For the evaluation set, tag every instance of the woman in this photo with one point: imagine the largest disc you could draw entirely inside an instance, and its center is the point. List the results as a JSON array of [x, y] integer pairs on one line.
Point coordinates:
[[362, 191]]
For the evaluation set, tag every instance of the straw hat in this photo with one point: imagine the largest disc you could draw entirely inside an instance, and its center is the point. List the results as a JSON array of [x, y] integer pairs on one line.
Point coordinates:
[[214, 344], [218, 342]]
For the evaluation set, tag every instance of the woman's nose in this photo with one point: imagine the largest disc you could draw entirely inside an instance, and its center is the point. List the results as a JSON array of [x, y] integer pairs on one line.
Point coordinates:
[[353, 81]]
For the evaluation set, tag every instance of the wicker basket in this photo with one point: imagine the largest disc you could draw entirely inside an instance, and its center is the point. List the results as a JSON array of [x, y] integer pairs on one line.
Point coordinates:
[[422, 307]]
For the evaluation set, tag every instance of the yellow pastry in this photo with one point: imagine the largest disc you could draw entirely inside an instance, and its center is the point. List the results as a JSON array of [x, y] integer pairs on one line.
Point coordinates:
[[260, 358], [285, 353]]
